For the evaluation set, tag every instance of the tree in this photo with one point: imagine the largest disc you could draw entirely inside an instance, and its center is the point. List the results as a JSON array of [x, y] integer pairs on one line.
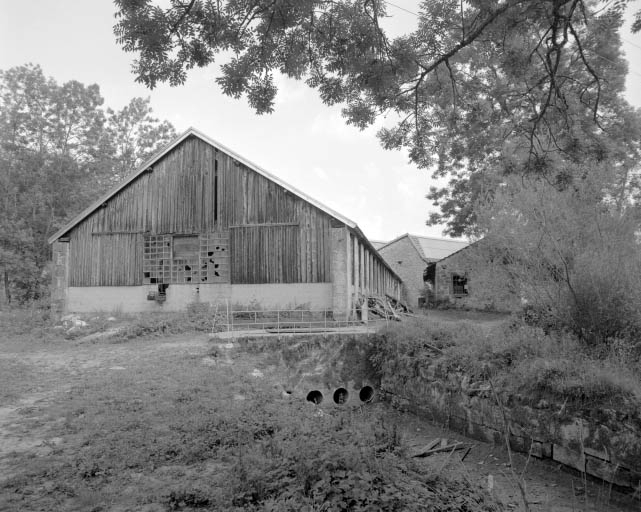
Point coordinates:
[[480, 90], [58, 152], [571, 255], [48, 134], [136, 135]]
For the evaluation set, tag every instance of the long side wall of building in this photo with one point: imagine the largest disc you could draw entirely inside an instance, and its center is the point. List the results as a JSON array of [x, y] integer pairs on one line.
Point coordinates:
[[368, 275]]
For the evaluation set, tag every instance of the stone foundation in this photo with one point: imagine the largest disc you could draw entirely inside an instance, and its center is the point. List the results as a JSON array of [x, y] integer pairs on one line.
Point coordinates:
[[138, 299], [60, 277]]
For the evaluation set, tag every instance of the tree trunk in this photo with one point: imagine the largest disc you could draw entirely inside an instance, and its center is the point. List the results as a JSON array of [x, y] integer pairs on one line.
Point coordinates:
[[7, 293]]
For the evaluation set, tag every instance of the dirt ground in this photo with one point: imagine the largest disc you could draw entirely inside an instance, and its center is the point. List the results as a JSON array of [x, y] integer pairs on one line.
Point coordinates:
[[50, 391]]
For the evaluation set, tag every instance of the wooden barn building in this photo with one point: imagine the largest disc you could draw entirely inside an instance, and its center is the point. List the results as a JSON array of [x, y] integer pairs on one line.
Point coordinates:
[[199, 223]]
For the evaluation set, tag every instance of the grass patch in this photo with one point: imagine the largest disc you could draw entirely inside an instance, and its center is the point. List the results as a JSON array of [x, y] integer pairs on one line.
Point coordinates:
[[168, 432], [38, 323], [35, 321]]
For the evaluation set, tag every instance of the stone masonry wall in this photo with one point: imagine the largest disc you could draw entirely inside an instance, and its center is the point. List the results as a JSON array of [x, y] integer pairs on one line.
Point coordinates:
[[341, 279], [60, 276], [486, 290], [604, 443], [404, 259]]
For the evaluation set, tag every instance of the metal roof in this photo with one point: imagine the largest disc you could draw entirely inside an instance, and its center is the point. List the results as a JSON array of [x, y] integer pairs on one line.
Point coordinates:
[[431, 248]]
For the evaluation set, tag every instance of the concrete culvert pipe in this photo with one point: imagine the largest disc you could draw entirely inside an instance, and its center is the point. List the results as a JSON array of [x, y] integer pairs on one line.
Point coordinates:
[[315, 397], [366, 394], [340, 396]]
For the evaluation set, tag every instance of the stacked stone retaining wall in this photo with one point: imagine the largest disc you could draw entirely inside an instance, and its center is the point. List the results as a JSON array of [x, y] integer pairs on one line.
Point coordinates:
[[602, 442]]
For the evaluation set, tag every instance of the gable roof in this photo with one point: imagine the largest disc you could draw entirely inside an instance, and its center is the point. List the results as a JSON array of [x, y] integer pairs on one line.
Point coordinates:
[[378, 244], [468, 246], [196, 133], [193, 132], [431, 248]]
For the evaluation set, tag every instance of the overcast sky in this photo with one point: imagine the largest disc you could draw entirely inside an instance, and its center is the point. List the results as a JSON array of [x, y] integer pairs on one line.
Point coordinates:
[[303, 142]]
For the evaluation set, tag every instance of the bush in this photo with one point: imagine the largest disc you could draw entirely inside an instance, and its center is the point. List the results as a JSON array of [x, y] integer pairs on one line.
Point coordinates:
[[520, 360], [198, 317], [604, 302], [33, 319], [569, 253]]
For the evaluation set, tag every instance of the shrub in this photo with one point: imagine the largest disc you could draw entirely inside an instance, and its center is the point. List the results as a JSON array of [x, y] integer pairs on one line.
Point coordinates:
[[339, 463], [33, 319], [520, 359], [568, 252]]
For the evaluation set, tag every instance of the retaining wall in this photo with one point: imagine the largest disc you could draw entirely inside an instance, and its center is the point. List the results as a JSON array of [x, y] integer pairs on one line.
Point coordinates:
[[602, 442]]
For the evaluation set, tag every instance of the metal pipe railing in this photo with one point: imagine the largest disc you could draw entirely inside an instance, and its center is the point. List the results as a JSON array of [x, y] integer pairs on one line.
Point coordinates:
[[283, 320]]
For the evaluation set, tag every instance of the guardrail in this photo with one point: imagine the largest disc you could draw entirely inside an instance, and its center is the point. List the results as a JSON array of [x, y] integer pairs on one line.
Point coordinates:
[[284, 320]]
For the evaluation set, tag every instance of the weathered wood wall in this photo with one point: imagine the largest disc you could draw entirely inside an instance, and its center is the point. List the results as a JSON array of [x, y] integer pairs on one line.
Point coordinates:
[[275, 236], [272, 255], [105, 259], [198, 189]]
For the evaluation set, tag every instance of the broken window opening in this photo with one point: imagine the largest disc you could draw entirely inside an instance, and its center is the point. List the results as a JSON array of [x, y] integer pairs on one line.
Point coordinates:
[[459, 284], [188, 258], [429, 274]]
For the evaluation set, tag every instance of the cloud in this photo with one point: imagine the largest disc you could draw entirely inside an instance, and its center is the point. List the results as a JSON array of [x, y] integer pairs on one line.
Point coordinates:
[[289, 90], [320, 172], [406, 189], [331, 123]]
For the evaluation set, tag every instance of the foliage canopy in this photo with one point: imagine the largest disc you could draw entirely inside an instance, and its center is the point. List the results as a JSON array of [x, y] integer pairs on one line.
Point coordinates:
[[59, 150], [480, 89]]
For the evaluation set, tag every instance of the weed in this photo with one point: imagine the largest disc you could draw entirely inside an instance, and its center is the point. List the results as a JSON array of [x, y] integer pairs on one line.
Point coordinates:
[[520, 358], [34, 320], [192, 498]]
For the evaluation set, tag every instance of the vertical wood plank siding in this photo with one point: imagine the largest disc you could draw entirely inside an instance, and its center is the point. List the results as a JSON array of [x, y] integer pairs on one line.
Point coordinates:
[[271, 255], [275, 236], [178, 197], [107, 260]]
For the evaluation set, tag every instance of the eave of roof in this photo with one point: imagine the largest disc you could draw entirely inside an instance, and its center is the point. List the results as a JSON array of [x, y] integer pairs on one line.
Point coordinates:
[[460, 250], [414, 240], [254, 167], [394, 241]]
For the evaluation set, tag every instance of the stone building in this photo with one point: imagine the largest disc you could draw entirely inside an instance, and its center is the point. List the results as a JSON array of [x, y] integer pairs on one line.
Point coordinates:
[[466, 279], [409, 256], [199, 223]]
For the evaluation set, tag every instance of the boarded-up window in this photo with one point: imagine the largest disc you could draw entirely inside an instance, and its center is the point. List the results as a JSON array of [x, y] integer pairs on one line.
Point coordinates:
[[186, 247]]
